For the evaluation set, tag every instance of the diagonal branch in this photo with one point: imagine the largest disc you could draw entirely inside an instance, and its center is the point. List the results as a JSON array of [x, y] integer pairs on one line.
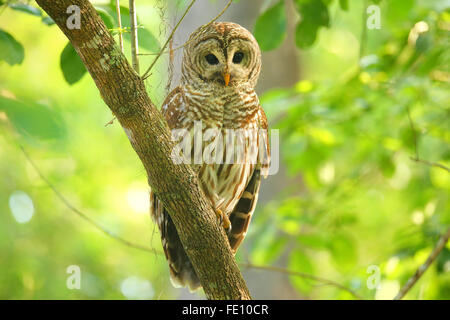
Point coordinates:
[[145, 75], [123, 90], [303, 275], [424, 267], [417, 158], [81, 214], [431, 164]]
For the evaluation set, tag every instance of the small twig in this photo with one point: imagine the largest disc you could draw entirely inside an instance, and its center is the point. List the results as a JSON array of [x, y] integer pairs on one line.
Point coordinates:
[[414, 132], [424, 267], [416, 147], [134, 37], [168, 39], [363, 39], [110, 122], [170, 68], [189, 41], [146, 75], [83, 215], [302, 275], [431, 164], [119, 19]]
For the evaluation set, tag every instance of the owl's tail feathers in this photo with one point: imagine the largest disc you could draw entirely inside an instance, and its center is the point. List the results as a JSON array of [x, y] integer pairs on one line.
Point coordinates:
[[242, 213], [185, 277], [182, 272]]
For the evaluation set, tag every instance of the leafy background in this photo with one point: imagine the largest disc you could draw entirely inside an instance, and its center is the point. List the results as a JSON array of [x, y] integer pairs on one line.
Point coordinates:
[[349, 204]]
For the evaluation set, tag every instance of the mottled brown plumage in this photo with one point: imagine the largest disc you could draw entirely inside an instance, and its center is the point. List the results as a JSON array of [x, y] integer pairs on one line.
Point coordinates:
[[221, 65]]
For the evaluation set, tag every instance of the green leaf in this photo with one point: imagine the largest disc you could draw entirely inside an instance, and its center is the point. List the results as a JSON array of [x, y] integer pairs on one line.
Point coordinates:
[[268, 246], [107, 19], [299, 262], [124, 14], [26, 8], [147, 40], [10, 49], [343, 252], [305, 35], [424, 43], [48, 21], [343, 4], [71, 65], [32, 119], [315, 241], [270, 28], [386, 163], [314, 14], [398, 13]]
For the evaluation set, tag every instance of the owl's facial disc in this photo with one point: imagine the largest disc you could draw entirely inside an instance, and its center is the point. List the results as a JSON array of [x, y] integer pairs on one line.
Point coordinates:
[[228, 60], [240, 58], [210, 61], [227, 68]]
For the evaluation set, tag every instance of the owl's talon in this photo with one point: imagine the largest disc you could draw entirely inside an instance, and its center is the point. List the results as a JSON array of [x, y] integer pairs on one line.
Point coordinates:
[[224, 220]]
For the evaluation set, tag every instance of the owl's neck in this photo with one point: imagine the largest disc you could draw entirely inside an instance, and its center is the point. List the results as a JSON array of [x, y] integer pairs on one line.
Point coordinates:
[[220, 105]]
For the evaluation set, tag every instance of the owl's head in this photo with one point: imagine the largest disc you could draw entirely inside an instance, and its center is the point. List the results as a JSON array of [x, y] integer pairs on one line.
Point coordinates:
[[222, 53]]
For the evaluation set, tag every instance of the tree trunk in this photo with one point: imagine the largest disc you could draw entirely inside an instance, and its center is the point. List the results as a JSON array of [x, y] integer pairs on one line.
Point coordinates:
[[175, 185]]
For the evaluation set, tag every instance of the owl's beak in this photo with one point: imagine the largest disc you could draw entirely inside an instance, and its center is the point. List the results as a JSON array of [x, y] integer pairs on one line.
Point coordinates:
[[226, 78]]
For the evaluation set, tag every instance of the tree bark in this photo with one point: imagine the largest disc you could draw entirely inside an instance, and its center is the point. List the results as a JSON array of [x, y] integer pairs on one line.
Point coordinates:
[[176, 186]]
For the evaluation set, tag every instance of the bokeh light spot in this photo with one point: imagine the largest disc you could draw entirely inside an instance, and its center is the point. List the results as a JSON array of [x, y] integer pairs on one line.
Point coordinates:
[[21, 206], [135, 288], [138, 200]]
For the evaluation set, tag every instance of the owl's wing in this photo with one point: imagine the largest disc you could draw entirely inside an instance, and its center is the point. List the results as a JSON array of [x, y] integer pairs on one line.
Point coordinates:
[[242, 213], [172, 108], [265, 157], [181, 270]]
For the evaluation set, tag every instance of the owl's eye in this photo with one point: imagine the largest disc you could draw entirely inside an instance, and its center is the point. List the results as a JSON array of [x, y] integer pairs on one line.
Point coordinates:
[[238, 56], [212, 59]]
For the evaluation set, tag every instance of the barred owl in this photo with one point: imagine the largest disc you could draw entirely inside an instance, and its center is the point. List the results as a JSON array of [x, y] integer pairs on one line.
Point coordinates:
[[220, 67]]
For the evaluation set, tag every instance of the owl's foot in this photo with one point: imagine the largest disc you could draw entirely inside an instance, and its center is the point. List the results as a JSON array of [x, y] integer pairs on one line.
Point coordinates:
[[224, 220]]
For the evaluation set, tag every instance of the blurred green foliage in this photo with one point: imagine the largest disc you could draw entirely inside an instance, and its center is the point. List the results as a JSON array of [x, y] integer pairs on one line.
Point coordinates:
[[353, 201], [346, 134]]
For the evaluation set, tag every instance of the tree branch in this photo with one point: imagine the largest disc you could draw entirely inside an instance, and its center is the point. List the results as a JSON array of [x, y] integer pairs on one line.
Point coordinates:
[[119, 20], [417, 158], [145, 75], [134, 37], [302, 275], [363, 36], [81, 214], [431, 164], [176, 186], [424, 267]]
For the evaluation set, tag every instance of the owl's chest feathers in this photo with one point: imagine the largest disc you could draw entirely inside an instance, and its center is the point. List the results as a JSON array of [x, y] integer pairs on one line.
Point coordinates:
[[223, 107]]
